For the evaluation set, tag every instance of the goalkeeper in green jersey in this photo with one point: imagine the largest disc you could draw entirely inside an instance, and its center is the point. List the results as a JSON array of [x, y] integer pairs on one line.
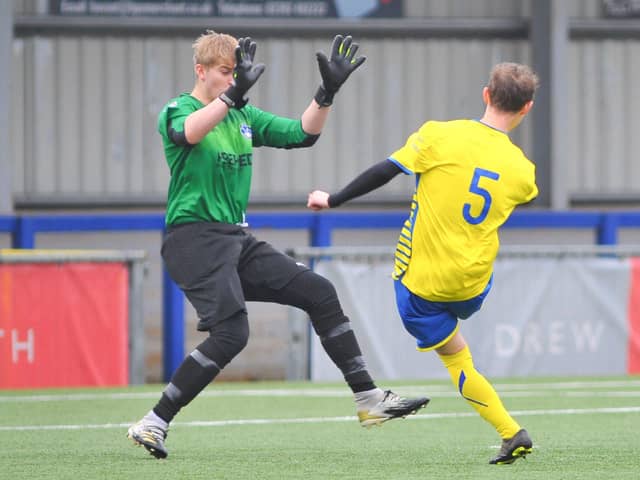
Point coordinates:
[[208, 137], [469, 178]]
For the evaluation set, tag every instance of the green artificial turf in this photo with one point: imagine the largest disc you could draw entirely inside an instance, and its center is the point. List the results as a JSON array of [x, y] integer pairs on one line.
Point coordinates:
[[582, 429]]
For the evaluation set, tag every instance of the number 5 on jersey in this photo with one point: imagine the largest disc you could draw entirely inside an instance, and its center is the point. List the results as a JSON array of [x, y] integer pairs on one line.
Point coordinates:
[[476, 189]]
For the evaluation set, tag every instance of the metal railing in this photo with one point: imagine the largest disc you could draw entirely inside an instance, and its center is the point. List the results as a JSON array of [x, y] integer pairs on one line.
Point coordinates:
[[24, 229], [376, 253]]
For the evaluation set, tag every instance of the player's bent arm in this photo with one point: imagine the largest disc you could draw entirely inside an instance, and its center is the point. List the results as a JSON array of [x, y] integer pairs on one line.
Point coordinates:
[[202, 121], [314, 118], [369, 180]]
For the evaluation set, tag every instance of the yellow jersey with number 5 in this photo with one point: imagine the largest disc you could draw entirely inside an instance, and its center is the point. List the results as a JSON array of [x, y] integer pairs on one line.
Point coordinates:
[[469, 178]]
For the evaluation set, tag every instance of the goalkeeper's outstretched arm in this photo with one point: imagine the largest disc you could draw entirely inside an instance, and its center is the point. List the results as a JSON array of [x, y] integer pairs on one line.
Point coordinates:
[[334, 71]]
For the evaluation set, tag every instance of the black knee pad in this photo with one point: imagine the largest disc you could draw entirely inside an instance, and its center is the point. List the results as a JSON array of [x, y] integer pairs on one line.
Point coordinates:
[[226, 339], [318, 297], [307, 290]]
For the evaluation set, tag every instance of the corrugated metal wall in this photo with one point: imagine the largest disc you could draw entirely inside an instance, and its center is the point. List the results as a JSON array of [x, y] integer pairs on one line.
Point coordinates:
[[84, 107], [604, 117], [85, 111]]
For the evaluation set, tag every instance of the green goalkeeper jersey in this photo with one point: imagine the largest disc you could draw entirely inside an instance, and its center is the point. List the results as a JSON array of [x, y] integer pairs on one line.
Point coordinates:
[[210, 181]]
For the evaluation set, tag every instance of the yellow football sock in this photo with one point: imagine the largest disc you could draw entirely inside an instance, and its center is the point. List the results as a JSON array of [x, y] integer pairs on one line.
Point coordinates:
[[479, 393]]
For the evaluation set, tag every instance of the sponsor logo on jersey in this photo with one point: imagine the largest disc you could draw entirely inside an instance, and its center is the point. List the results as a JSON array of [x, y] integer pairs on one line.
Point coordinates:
[[233, 160], [245, 130]]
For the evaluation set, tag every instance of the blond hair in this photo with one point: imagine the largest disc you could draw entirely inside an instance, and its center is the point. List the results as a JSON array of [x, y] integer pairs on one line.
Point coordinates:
[[511, 86], [212, 48]]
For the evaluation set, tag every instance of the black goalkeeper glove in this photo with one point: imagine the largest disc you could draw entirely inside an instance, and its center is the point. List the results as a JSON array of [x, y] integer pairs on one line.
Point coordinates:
[[245, 74], [336, 70]]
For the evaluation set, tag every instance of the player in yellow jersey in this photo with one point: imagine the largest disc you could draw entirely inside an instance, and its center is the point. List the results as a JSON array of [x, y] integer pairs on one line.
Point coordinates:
[[469, 178]]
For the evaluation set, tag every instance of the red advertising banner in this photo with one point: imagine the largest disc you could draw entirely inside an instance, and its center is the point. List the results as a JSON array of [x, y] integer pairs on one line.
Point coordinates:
[[633, 348], [63, 325]]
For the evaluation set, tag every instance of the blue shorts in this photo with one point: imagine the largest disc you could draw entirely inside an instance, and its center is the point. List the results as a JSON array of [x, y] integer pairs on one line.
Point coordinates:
[[434, 323]]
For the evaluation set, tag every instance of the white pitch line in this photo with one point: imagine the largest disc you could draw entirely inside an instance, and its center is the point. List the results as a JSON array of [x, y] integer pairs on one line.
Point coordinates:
[[250, 393], [284, 421], [573, 384], [224, 393], [441, 390], [619, 393]]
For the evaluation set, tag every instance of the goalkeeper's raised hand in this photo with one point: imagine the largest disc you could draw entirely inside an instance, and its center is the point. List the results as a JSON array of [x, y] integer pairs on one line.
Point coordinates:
[[336, 69], [245, 74]]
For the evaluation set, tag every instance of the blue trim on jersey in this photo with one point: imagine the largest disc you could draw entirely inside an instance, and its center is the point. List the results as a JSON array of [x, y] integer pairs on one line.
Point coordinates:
[[406, 264], [404, 169], [414, 218]]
